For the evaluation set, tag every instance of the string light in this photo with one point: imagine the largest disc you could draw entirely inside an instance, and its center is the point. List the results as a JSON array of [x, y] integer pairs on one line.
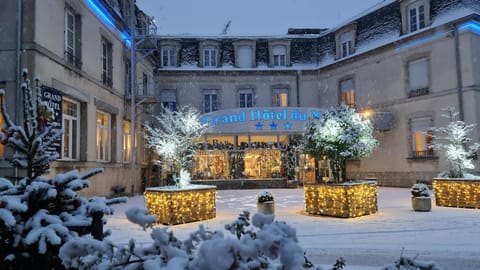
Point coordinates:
[[177, 206], [457, 193], [346, 200]]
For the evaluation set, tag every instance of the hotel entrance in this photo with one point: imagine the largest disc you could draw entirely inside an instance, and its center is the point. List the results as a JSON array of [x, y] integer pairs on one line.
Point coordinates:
[[255, 144]]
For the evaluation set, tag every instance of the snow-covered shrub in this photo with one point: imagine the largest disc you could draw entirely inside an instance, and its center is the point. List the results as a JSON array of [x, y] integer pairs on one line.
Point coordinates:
[[265, 196], [453, 140], [405, 263], [173, 138], [39, 214], [420, 190], [339, 134]]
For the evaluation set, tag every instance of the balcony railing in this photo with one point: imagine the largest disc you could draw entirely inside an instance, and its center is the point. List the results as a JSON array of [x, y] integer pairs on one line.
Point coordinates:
[[145, 94], [423, 154]]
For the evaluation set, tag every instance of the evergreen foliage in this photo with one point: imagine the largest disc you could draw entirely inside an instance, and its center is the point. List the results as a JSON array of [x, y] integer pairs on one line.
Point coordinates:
[[39, 214], [339, 134]]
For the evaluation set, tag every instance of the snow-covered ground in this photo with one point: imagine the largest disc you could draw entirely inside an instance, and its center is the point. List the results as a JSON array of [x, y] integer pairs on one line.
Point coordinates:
[[448, 236]]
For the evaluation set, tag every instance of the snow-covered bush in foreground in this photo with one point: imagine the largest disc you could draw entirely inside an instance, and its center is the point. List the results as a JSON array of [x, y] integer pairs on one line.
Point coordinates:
[[39, 214]]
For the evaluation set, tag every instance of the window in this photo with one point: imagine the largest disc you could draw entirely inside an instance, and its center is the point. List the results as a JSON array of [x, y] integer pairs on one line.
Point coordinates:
[[71, 129], [280, 97], [346, 44], [209, 57], [347, 92], [421, 137], [210, 100], [416, 17], [245, 98], [107, 66], [245, 59], [169, 99], [169, 57], [103, 136], [279, 56], [72, 38], [418, 78], [127, 147]]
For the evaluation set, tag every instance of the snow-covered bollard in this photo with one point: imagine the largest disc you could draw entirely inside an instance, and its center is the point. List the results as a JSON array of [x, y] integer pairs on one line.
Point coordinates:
[[265, 203], [421, 200]]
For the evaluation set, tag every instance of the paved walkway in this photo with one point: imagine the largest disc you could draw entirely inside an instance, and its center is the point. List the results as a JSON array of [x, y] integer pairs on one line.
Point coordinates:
[[448, 236]]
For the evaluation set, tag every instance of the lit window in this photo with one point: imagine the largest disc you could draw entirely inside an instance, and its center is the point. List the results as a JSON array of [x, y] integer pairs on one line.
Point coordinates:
[[418, 78], [210, 100], [71, 129], [416, 18], [210, 57], [169, 57], [107, 65], [421, 137], [72, 38], [347, 91], [245, 98], [280, 97], [279, 56], [103, 136], [127, 147]]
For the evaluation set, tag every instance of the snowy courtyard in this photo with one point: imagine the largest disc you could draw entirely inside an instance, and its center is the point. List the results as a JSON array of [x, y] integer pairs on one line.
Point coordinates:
[[448, 236]]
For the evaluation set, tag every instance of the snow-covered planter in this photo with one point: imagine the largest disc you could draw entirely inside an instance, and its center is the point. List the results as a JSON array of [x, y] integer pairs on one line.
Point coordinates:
[[177, 206], [421, 200], [345, 200], [454, 187], [266, 203]]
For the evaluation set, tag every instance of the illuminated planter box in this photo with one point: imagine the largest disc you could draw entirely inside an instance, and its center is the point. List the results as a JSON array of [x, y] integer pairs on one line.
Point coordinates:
[[176, 206], [342, 200], [457, 192]]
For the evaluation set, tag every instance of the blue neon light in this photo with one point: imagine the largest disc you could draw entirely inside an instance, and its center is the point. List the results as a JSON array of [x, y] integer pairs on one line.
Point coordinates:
[[472, 26], [107, 19]]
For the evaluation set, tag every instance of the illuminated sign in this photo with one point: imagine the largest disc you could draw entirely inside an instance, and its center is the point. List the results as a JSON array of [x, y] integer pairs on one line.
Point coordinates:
[[265, 119]]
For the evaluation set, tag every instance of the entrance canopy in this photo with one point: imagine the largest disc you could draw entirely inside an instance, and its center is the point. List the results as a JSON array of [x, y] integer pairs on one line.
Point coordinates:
[[259, 120]]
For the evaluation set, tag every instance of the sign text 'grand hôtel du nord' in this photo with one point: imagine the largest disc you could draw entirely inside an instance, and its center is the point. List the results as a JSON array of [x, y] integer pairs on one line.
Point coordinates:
[[259, 120]]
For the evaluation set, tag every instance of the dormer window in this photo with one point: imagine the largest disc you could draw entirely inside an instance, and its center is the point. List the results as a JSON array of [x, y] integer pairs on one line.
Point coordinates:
[[209, 57], [416, 18], [244, 53], [209, 54], [345, 41], [169, 56], [279, 55], [415, 15]]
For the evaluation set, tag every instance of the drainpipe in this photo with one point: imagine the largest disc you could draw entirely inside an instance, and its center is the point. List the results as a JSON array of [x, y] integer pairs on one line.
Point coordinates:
[[459, 73], [133, 108], [18, 70], [18, 53]]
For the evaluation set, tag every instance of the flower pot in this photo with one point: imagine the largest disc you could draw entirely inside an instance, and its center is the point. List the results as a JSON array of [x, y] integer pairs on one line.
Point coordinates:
[[266, 208], [423, 204]]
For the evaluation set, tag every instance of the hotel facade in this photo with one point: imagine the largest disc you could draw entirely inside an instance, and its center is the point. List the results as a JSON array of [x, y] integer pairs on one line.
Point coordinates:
[[399, 63]]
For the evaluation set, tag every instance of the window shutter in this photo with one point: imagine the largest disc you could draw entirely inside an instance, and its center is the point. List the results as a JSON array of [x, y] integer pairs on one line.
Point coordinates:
[[418, 74], [244, 57], [110, 64]]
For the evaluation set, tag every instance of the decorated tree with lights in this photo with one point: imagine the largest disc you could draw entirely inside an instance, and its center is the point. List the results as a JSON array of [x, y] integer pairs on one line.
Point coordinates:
[[453, 140], [173, 139], [39, 214], [338, 134]]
